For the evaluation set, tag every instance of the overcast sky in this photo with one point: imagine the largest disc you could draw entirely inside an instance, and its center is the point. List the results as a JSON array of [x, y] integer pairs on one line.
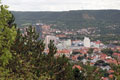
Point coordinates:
[[60, 5]]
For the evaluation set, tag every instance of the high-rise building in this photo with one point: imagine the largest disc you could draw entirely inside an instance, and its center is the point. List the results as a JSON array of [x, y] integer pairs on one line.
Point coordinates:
[[48, 38], [38, 28], [86, 42]]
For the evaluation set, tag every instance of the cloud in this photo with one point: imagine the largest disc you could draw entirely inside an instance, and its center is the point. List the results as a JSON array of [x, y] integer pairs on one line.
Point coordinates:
[[60, 5]]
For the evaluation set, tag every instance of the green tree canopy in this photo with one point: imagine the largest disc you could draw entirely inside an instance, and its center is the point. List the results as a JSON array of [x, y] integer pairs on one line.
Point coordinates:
[[7, 37], [107, 51], [7, 34]]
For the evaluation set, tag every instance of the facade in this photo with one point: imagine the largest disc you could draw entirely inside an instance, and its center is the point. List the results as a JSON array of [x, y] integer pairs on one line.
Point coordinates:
[[47, 40], [38, 29], [67, 43], [86, 42], [65, 52]]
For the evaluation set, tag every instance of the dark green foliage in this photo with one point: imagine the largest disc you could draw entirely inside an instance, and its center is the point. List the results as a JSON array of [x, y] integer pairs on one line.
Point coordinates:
[[52, 49], [64, 69], [81, 57], [76, 53], [101, 63], [7, 37], [77, 74], [107, 51], [32, 63], [90, 51]]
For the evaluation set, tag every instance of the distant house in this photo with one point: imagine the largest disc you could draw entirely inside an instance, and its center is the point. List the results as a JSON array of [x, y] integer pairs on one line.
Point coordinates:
[[65, 52], [77, 66], [84, 61], [75, 58], [111, 76], [105, 67], [104, 78], [111, 71], [117, 55], [103, 56], [111, 61]]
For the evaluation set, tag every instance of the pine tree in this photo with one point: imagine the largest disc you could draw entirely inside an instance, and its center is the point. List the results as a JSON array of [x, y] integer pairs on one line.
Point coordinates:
[[29, 52], [52, 49], [77, 74], [63, 70]]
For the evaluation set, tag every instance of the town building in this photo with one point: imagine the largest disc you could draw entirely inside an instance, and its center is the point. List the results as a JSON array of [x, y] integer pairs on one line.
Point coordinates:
[[86, 42], [48, 38], [67, 43], [38, 28]]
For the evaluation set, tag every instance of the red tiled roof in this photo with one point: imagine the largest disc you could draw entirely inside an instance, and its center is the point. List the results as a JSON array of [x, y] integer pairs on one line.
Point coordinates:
[[92, 63], [64, 51], [103, 56], [118, 62], [111, 61], [105, 78], [116, 54], [111, 76], [60, 35], [74, 57], [111, 71], [77, 66]]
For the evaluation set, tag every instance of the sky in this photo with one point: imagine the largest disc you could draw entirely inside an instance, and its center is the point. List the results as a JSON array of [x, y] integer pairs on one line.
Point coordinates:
[[60, 5]]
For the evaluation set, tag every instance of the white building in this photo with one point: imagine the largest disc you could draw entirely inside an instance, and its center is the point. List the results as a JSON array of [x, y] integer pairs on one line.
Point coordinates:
[[64, 44], [60, 46], [86, 42], [48, 38], [67, 43]]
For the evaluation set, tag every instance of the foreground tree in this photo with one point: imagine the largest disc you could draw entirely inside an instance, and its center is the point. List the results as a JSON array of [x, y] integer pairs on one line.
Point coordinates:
[[7, 37], [78, 75], [29, 53]]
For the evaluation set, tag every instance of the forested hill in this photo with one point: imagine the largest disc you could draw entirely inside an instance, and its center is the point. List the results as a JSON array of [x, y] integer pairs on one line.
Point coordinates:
[[71, 19]]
